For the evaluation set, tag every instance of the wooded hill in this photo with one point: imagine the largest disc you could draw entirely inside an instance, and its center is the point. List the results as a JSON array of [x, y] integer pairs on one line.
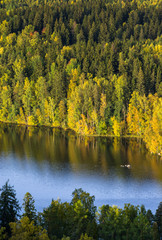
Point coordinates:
[[93, 66]]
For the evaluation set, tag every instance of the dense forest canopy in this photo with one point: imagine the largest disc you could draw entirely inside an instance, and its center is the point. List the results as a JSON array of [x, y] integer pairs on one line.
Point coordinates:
[[77, 220], [93, 66]]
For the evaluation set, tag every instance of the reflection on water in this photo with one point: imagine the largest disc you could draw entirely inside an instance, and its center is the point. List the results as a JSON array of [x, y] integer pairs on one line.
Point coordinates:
[[51, 161]]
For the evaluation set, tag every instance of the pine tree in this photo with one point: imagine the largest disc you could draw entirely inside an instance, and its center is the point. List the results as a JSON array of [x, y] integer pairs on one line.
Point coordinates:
[[29, 208], [9, 206], [140, 82], [158, 218]]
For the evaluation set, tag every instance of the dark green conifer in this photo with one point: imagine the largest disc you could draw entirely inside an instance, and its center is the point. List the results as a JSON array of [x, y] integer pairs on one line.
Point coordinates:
[[9, 206]]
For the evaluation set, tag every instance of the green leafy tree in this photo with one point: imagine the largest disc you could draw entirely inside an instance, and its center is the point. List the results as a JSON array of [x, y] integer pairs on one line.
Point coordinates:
[[25, 230], [140, 228], [111, 223], [130, 223], [84, 214], [57, 219]]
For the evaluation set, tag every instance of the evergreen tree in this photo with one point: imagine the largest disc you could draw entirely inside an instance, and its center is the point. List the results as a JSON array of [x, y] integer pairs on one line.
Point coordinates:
[[9, 206], [158, 218], [29, 208], [140, 82], [155, 231]]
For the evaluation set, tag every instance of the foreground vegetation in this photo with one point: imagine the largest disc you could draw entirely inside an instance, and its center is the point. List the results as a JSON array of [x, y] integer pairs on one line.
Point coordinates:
[[91, 66], [77, 220]]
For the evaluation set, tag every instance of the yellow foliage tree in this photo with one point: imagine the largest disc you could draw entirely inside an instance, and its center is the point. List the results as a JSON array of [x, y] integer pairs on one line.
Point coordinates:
[[103, 105], [93, 121], [82, 126], [31, 121], [73, 109], [116, 127], [73, 80], [145, 119], [71, 115], [21, 117], [26, 229], [137, 114], [153, 131], [40, 118]]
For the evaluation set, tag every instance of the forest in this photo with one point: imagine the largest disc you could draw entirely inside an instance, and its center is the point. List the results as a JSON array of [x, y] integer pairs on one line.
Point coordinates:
[[78, 220], [93, 66]]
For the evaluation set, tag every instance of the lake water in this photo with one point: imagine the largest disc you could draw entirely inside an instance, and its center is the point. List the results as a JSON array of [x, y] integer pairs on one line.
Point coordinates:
[[51, 163]]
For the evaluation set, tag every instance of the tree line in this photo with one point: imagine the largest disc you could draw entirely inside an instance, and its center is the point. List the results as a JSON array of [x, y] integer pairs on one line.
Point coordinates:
[[77, 220], [91, 66]]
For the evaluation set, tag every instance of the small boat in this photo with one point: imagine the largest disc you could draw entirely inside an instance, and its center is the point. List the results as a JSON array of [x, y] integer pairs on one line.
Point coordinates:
[[126, 166]]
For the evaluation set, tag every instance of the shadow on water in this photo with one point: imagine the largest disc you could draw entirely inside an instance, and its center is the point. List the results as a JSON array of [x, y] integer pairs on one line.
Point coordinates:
[[125, 157]]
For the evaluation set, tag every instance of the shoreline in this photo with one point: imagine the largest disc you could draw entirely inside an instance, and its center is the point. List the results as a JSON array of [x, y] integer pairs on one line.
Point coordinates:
[[81, 135], [69, 129]]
